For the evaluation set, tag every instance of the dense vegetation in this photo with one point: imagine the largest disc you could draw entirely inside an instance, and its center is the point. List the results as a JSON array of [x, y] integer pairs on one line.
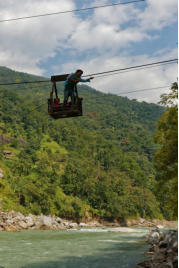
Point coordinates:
[[99, 165], [166, 159]]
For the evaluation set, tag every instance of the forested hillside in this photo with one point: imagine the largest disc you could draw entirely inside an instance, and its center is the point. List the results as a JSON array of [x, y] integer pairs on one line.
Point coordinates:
[[99, 165], [166, 158]]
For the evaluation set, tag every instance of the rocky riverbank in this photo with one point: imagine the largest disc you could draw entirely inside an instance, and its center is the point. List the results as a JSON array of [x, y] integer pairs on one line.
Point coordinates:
[[164, 250], [15, 221]]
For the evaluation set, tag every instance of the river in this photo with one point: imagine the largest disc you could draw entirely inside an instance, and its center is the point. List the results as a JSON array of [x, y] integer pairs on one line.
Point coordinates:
[[85, 248]]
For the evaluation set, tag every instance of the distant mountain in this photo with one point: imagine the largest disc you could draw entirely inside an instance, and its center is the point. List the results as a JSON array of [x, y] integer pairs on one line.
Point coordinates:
[[99, 165]]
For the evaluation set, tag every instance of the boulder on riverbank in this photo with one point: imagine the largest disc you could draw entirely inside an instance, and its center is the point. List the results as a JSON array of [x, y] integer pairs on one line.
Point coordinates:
[[164, 250]]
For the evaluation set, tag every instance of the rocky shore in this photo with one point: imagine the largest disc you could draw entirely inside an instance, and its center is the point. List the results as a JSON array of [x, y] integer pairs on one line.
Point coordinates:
[[163, 251], [15, 221]]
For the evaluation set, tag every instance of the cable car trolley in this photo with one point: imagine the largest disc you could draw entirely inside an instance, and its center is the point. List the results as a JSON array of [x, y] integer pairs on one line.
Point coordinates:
[[59, 110]]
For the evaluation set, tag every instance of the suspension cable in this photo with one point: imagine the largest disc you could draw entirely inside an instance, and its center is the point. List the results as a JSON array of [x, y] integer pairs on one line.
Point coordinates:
[[70, 11], [137, 67]]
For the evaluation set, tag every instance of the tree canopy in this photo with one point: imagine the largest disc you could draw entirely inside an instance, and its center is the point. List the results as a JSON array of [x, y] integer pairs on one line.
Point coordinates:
[[166, 159]]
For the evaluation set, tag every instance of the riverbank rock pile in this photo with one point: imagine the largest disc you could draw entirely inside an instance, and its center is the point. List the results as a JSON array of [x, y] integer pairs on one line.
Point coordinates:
[[140, 222], [15, 221], [164, 250]]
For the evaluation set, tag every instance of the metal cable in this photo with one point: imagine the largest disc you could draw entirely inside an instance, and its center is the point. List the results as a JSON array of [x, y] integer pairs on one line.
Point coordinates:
[[70, 11], [96, 74]]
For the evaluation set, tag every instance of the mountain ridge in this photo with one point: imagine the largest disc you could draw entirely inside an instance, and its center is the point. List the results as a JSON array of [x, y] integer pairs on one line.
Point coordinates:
[[99, 165]]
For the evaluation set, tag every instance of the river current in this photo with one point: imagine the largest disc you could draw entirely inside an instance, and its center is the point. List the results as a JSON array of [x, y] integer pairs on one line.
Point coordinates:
[[85, 248]]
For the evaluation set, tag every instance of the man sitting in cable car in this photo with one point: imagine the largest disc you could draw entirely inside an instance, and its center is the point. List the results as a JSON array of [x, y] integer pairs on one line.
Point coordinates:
[[56, 104], [70, 85]]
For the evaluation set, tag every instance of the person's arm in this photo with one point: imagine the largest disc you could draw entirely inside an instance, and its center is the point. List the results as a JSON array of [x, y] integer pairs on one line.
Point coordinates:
[[85, 80]]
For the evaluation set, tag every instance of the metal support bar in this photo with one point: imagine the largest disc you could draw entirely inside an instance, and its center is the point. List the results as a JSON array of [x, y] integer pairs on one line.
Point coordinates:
[[59, 78]]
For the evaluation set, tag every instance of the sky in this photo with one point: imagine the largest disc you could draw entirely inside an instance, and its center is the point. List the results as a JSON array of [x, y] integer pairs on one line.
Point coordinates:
[[94, 41]]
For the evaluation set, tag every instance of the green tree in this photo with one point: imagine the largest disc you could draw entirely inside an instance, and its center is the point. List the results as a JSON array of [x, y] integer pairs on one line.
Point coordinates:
[[166, 159]]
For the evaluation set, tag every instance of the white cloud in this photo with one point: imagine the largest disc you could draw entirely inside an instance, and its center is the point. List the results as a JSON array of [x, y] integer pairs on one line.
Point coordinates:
[[158, 14], [106, 29], [120, 26], [25, 43], [104, 37]]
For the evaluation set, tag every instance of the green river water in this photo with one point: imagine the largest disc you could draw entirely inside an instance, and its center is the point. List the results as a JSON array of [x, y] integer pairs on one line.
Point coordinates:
[[90, 248]]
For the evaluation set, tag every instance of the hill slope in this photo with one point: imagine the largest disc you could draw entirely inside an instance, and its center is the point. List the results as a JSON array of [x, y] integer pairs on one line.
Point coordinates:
[[99, 165]]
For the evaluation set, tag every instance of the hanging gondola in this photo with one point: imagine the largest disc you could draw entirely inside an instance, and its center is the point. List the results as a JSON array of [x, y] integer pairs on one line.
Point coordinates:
[[59, 110]]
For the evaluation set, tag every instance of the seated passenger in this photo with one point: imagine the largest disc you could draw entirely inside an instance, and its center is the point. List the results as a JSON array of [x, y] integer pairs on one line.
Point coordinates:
[[56, 103]]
